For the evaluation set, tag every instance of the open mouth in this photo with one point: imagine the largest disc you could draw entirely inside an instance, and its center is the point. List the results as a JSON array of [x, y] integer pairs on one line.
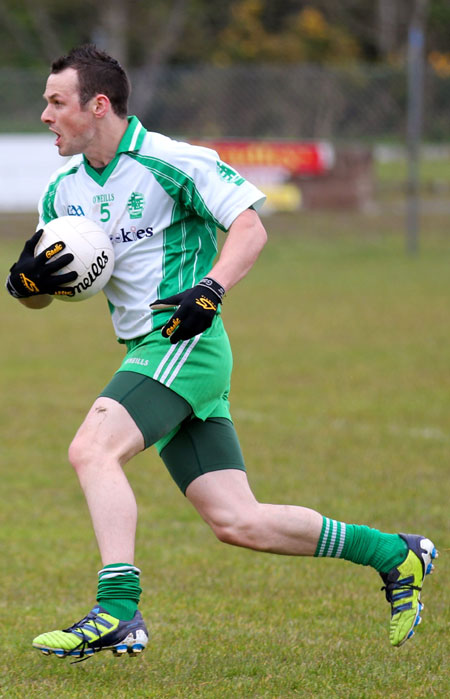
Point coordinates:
[[58, 137]]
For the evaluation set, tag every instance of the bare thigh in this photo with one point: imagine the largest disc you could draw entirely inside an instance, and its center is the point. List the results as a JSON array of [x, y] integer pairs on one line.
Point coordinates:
[[108, 431]]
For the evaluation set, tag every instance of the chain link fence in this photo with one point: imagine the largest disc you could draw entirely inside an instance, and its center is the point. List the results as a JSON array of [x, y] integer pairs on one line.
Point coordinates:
[[360, 111], [359, 103]]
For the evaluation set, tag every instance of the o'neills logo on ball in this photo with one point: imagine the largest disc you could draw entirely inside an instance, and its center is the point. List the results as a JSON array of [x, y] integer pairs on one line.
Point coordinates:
[[95, 271]]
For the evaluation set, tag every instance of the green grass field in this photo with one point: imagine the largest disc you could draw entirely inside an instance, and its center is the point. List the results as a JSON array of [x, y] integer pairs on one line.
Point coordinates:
[[341, 399], [434, 174]]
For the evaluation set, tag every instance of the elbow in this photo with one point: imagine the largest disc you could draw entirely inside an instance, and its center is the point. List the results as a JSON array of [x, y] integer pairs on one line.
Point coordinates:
[[256, 229], [262, 235], [259, 234]]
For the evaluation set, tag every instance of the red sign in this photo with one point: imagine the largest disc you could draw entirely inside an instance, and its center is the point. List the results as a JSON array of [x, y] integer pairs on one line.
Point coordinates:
[[307, 158]]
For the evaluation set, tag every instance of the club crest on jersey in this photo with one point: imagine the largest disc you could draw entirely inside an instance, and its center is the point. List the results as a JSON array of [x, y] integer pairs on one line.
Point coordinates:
[[135, 205], [228, 174]]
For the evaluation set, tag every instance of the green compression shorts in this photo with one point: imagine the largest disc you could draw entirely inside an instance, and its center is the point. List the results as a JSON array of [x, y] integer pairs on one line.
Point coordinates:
[[188, 445]]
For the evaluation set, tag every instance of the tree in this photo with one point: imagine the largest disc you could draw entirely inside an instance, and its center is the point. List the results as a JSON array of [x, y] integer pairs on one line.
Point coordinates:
[[148, 35]]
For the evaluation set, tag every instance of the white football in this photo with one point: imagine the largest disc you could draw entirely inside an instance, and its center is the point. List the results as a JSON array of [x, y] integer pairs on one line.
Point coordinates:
[[92, 250]]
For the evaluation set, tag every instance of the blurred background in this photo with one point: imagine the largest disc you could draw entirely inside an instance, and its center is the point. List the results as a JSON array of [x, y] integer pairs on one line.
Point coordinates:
[[339, 109], [325, 105]]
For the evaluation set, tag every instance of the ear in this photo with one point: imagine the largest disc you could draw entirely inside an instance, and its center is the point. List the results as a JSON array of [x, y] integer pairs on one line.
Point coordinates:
[[100, 105]]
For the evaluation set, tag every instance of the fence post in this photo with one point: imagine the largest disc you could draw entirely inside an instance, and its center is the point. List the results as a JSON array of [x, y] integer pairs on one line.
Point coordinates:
[[416, 40]]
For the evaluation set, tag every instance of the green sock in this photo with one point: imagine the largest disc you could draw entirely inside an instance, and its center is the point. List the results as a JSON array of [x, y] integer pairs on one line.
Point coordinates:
[[119, 590], [361, 544]]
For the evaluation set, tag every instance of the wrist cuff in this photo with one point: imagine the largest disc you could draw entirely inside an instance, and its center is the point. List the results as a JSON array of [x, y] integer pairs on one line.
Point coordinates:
[[211, 283], [11, 290]]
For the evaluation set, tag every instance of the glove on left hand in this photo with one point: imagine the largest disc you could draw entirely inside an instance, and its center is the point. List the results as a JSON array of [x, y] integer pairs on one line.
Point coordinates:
[[196, 310], [31, 276]]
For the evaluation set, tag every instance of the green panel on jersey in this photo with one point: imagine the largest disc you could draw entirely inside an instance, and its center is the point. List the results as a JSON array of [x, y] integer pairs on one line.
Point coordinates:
[[188, 253], [48, 201], [178, 185]]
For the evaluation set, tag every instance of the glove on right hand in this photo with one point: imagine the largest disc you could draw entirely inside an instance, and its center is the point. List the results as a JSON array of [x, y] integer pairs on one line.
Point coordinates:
[[196, 310], [31, 276]]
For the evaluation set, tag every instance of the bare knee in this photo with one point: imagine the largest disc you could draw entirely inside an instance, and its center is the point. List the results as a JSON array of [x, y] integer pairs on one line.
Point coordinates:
[[80, 453], [107, 437], [237, 528], [86, 453], [225, 501]]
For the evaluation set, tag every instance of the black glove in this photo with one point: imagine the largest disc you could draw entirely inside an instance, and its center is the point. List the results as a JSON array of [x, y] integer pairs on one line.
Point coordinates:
[[31, 276], [196, 310]]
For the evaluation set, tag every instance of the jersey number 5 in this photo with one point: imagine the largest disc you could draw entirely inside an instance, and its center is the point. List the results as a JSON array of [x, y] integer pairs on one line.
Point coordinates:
[[105, 212]]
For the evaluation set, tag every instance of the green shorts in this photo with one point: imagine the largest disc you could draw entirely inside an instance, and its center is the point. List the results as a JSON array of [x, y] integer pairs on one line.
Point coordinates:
[[178, 395], [198, 370], [188, 445]]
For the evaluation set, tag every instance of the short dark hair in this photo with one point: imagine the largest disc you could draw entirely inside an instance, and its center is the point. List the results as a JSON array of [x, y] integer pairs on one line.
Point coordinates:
[[98, 73]]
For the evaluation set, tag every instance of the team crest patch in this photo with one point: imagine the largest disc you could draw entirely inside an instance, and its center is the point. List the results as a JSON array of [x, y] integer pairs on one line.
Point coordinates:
[[228, 174], [135, 205]]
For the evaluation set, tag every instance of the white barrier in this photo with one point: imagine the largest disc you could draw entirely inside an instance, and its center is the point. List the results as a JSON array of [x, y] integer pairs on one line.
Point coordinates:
[[26, 163]]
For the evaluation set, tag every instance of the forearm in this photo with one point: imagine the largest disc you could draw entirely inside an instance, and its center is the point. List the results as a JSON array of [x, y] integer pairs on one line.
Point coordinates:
[[245, 240]]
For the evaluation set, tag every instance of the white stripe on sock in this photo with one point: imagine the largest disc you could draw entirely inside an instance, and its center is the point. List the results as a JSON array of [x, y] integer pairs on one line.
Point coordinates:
[[118, 571], [342, 541], [325, 536], [333, 537]]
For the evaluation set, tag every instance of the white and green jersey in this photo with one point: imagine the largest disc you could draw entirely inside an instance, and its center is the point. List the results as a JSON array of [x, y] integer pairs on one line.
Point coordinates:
[[160, 201]]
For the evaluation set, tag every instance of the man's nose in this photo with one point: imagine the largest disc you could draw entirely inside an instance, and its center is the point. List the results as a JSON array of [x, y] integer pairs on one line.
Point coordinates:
[[45, 116]]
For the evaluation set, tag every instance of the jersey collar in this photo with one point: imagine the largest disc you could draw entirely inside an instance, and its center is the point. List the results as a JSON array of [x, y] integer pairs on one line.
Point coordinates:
[[133, 136], [130, 143]]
